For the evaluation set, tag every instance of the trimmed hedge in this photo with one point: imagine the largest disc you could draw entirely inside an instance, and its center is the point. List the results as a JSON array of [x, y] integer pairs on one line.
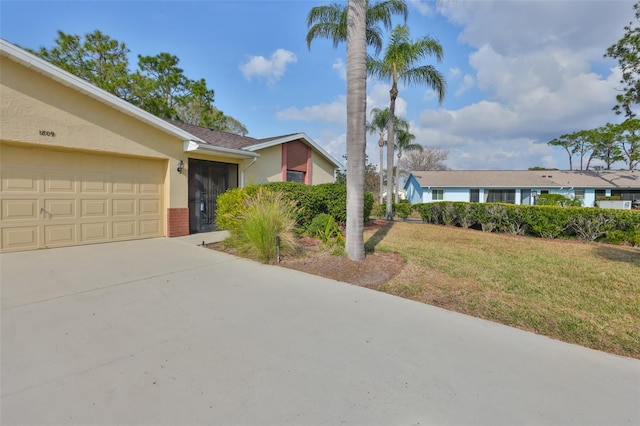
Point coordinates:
[[310, 200], [583, 223]]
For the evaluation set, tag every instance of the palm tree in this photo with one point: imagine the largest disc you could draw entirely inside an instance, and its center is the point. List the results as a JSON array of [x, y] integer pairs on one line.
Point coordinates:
[[404, 142], [331, 21], [356, 119], [400, 63], [378, 125]]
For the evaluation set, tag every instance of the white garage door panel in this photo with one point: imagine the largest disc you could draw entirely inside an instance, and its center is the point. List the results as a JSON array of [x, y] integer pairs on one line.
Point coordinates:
[[57, 198]]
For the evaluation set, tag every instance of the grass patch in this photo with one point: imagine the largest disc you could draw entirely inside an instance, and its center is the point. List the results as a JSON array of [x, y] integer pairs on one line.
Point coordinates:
[[587, 294]]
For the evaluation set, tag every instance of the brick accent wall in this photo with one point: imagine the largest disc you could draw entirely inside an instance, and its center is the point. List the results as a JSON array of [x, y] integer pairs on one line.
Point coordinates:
[[177, 222]]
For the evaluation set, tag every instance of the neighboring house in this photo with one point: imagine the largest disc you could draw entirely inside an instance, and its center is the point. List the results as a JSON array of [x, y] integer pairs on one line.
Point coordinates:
[[79, 165], [520, 186]]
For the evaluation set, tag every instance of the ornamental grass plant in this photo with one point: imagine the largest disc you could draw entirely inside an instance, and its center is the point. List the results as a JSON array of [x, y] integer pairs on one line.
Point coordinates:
[[266, 215]]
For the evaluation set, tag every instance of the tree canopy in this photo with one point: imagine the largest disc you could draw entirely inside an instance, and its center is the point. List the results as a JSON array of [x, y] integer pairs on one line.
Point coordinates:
[[627, 52], [158, 85], [610, 143], [330, 21]]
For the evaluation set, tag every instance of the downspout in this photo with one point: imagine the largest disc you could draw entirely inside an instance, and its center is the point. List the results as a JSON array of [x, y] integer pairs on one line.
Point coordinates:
[[243, 170]]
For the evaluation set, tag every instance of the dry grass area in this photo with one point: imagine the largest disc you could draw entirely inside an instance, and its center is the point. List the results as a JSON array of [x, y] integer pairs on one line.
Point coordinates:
[[587, 294]]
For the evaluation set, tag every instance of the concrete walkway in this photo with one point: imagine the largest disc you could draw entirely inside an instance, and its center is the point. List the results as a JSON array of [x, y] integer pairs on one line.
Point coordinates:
[[164, 332]]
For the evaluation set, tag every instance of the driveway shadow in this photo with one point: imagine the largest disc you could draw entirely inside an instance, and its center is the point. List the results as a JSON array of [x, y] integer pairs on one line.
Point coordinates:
[[618, 254], [374, 240]]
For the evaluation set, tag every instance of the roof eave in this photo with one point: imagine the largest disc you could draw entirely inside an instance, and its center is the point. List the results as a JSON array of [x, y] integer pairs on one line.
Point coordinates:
[[294, 137], [194, 146]]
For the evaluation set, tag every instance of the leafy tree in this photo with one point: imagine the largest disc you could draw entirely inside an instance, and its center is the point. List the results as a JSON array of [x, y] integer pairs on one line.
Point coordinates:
[[627, 52], [401, 62], [331, 21], [404, 142], [166, 89], [605, 144], [356, 23], [629, 140], [584, 148], [378, 125], [159, 86], [94, 57], [567, 142], [426, 159], [234, 126]]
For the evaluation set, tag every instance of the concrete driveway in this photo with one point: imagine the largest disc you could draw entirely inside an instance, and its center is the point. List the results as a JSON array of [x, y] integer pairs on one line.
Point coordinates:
[[161, 331]]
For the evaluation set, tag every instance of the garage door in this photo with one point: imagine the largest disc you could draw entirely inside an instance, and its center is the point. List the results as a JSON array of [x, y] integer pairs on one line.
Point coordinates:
[[64, 198]]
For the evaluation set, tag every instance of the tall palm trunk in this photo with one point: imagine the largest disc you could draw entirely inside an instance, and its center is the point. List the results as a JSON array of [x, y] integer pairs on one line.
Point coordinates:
[[356, 119], [390, 145], [381, 187], [398, 177]]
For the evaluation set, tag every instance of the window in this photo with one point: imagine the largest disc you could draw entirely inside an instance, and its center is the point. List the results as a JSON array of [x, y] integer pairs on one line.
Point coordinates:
[[474, 195], [579, 194], [437, 194], [600, 193], [626, 194], [501, 196], [295, 176]]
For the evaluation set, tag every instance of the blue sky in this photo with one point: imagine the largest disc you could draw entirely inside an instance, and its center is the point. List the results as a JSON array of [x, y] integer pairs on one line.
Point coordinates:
[[519, 73]]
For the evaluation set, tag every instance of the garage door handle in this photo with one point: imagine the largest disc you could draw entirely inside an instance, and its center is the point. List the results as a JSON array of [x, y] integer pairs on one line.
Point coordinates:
[[42, 210]]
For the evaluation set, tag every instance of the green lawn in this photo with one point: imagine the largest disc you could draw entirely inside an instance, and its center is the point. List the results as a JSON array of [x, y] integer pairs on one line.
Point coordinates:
[[582, 293]]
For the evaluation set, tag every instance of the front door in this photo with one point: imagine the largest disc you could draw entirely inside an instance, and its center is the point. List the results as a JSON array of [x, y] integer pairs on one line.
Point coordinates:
[[207, 180]]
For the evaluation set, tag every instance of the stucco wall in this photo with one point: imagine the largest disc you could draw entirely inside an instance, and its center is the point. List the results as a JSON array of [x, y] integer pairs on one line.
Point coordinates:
[[322, 171], [267, 168]]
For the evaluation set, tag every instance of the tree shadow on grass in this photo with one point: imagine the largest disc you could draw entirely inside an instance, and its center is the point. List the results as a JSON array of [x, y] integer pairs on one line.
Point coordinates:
[[617, 254], [374, 240]]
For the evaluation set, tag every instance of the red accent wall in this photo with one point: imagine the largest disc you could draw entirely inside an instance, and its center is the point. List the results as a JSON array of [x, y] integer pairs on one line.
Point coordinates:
[[296, 156], [177, 222]]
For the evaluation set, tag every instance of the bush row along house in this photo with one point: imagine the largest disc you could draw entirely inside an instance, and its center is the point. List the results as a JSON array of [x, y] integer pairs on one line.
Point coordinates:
[[520, 186], [79, 165]]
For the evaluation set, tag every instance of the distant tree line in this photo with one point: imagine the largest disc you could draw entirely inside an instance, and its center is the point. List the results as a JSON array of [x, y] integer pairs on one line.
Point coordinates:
[[158, 85], [610, 143]]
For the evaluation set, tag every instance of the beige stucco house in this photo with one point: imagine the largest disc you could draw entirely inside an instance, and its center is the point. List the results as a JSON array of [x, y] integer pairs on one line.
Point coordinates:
[[80, 166]]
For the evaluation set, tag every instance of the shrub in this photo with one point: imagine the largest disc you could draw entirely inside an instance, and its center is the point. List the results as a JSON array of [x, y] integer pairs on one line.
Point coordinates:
[[516, 221], [464, 213], [491, 217], [549, 221], [310, 201], [403, 210], [380, 210], [229, 206], [265, 216], [557, 200], [323, 227], [448, 213], [424, 211], [590, 227]]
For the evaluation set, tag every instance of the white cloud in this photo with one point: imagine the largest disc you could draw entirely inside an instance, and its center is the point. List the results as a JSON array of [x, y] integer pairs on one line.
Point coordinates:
[[539, 68], [378, 97], [422, 7], [340, 67], [271, 69], [334, 112], [467, 83]]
